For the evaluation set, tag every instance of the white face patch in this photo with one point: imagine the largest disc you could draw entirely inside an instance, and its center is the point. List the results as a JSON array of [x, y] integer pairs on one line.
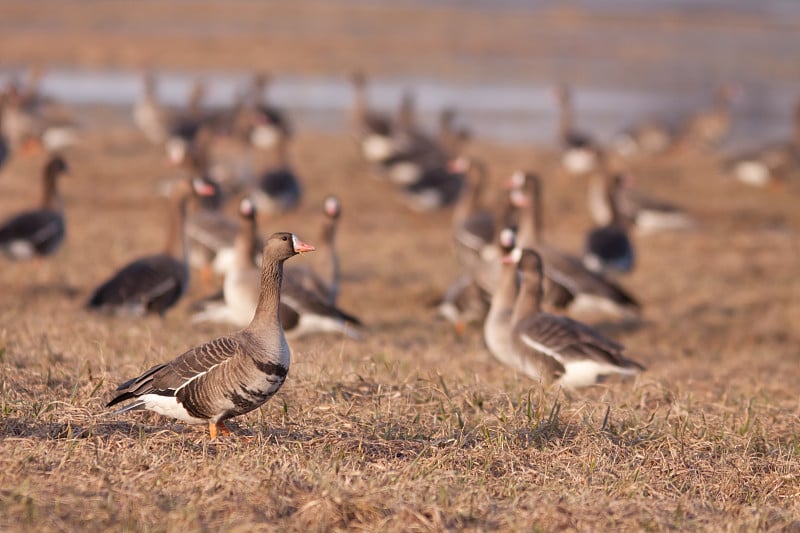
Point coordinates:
[[246, 207], [507, 238], [516, 254], [517, 179]]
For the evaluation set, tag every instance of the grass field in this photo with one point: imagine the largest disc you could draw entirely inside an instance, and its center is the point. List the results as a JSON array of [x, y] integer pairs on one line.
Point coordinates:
[[414, 428]]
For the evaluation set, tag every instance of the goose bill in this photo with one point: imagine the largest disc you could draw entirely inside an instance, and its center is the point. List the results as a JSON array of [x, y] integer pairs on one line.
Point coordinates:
[[301, 247]]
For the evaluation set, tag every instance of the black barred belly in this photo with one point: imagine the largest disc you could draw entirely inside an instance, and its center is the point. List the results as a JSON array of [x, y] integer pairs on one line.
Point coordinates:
[[246, 398]]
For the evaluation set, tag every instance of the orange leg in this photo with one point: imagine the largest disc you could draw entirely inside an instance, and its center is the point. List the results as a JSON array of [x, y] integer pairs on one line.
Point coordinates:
[[218, 428], [461, 327]]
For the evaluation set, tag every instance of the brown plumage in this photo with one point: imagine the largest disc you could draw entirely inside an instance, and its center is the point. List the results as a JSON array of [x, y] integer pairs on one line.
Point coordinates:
[[230, 375], [553, 348]]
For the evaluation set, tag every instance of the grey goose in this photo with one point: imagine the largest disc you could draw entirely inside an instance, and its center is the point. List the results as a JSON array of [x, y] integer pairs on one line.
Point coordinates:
[[771, 164], [230, 375], [551, 348], [578, 148], [154, 283], [608, 247], [707, 128], [497, 326], [278, 189], [639, 210], [569, 284], [303, 309], [41, 231]]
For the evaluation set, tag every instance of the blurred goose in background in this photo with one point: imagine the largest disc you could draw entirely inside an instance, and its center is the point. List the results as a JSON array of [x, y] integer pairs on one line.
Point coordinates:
[[416, 154], [647, 139], [184, 125], [569, 284], [39, 232], [374, 130], [768, 165], [230, 375], [148, 114], [303, 310], [153, 284], [473, 223], [578, 148], [452, 136], [436, 188], [497, 326], [269, 121], [632, 207], [28, 124], [278, 188], [325, 275], [557, 349], [707, 128], [608, 248]]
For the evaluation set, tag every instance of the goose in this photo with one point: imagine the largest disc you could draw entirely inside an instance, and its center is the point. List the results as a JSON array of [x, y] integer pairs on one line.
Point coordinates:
[[497, 326], [768, 165], [436, 188], [148, 115], [324, 278], [302, 310], [608, 248], [648, 138], [569, 284], [230, 375], [465, 301], [278, 189], [645, 213], [38, 232], [707, 128], [374, 130], [270, 121], [473, 224], [28, 126], [557, 349], [451, 136], [155, 283], [578, 148], [184, 126]]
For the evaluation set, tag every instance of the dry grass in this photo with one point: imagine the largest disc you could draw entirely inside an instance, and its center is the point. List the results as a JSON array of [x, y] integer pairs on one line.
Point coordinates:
[[413, 428]]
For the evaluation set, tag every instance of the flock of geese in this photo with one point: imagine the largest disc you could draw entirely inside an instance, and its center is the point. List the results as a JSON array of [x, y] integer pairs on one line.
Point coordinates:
[[511, 283]]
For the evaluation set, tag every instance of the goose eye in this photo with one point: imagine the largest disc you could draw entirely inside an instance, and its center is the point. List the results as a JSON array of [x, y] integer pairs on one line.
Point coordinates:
[[285, 238]]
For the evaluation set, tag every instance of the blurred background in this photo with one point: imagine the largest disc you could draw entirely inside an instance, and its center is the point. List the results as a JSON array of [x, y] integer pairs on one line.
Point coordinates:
[[494, 60]]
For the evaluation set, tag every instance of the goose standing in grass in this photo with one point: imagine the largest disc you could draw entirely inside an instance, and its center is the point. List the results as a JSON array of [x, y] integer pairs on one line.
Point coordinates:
[[325, 276], [578, 149], [304, 310], [649, 138], [608, 247], [148, 114], [551, 348], [269, 121], [569, 284], [39, 232], [230, 375], [707, 128], [497, 326], [374, 130], [278, 189], [771, 164], [153, 284], [465, 301], [645, 213]]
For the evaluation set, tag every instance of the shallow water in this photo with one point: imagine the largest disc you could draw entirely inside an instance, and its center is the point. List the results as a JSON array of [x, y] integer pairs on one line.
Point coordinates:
[[503, 112]]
